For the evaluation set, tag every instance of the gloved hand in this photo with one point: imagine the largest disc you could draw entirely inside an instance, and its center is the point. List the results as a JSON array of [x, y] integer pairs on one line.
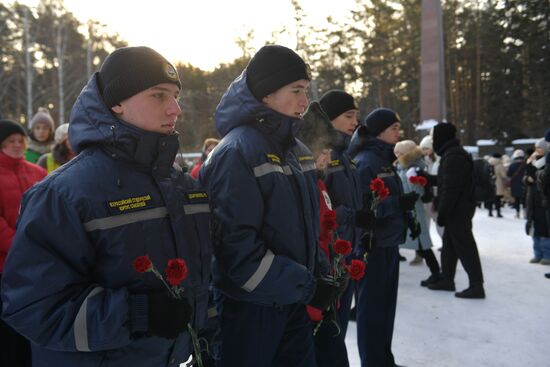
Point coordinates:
[[407, 201], [326, 292], [168, 317], [414, 226], [528, 226], [427, 197], [364, 219]]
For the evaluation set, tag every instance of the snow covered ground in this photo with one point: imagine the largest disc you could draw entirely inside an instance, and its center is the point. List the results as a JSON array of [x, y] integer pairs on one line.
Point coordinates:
[[510, 328]]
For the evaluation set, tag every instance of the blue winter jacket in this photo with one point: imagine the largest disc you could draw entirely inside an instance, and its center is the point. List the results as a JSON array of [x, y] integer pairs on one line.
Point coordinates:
[[374, 159], [344, 188], [69, 284], [265, 209]]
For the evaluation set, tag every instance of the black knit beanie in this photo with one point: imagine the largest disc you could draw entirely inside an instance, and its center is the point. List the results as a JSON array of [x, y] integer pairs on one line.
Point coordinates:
[[130, 70], [8, 127], [442, 133], [273, 67], [380, 119], [336, 102]]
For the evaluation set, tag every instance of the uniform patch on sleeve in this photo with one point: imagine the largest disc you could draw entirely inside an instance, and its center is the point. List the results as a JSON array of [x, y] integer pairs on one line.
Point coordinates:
[[197, 196], [335, 163], [306, 158], [129, 204]]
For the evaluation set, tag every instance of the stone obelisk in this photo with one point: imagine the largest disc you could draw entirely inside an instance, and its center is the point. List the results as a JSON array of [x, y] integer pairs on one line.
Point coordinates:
[[432, 67]]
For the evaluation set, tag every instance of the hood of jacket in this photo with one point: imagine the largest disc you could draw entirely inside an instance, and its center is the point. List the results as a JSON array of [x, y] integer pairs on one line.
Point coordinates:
[[92, 124], [239, 107]]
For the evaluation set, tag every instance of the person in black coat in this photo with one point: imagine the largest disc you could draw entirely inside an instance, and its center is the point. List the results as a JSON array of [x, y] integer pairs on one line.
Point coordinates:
[[515, 173], [456, 207]]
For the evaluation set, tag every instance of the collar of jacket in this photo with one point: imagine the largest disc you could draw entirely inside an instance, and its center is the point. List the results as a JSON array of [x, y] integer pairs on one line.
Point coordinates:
[[449, 144], [7, 161], [149, 151]]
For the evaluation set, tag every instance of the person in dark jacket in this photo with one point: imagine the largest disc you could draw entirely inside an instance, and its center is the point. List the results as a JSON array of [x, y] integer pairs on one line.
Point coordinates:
[[537, 224], [265, 210], [456, 207], [372, 148], [69, 282], [515, 174]]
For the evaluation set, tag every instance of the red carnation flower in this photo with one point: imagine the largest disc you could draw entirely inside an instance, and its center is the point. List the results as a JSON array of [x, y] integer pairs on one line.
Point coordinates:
[[377, 185], [329, 220], [384, 193], [422, 181], [356, 269], [176, 272], [342, 247], [143, 264], [413, 180]]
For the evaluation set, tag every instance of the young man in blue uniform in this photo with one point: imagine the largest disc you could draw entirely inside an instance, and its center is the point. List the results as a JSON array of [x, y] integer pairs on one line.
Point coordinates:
[[372, 148], [69, 284], [265, 217]]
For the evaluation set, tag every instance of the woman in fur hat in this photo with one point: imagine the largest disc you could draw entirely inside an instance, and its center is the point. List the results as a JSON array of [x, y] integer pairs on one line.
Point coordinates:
[[410, 159]]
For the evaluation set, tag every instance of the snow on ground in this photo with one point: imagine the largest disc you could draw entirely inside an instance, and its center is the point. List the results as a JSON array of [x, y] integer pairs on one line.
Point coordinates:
[[510, 328]]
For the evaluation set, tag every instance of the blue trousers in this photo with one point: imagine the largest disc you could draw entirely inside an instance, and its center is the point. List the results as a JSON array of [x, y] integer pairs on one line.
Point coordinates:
[[376, 302], [330, 347], [541, 247], [265, 336]]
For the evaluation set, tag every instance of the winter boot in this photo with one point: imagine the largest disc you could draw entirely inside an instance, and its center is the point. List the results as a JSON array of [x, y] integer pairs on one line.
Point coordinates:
[[416, 261], [442, 285], [547, 275], [402, 258], [535, 260], [432, 279], [475, 291]]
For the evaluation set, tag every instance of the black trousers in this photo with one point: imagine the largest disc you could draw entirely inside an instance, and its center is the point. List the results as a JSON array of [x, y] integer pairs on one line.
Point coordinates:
[[15, 350], [431, 260], [459, 244]]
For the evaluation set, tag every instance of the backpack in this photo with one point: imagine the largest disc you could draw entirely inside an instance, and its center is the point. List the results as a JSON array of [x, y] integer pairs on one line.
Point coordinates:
[[483, 180]]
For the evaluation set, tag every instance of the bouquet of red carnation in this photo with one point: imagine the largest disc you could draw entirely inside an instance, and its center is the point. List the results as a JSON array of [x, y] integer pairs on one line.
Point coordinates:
[[338, 249], [418, 180], [175, 273]]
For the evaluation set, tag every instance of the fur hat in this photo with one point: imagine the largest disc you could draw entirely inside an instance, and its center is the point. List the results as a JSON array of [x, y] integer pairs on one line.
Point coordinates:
[[273, 67], [208, 142], [8, 127], [427, 142], [130, 70], [336, 102], [518, 153], [380, 119], [61, 133], [404, 146]]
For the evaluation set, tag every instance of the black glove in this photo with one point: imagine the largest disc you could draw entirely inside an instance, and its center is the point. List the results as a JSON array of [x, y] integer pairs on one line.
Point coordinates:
[[326, 292], [528, 226], [364, 219], [414, 226], [168, 317], [427, 197], [407, 201]]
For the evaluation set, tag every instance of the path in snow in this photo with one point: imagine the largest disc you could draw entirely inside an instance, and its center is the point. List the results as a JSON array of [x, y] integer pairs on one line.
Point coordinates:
[[510, 328]]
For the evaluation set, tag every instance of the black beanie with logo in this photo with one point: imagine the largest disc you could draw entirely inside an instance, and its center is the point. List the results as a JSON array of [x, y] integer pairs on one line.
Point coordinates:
[[130, 70], [8, 127], [336, 102], [380, 119], [273, 67]]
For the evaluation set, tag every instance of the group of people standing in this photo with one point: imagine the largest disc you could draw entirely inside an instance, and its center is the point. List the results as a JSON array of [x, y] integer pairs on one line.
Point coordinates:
[[247, 234]]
